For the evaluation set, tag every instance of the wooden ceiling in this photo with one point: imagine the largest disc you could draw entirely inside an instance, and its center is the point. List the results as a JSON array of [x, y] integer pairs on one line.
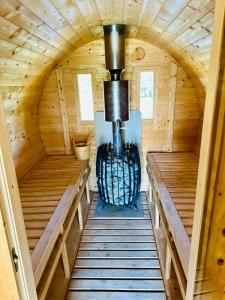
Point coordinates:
[[36, 34]]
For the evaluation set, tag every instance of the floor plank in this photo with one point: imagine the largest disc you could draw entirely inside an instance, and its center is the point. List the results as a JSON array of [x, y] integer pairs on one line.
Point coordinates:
[[116, 253], [117, 284], [117, 246], [118, 238], [115, 296], [118, 262], [121, 232], [117, 259], [116, 273]]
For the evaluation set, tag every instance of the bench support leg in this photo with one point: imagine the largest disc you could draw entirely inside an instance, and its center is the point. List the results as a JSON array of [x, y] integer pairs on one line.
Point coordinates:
[[168, 263], [65, 260], [88, 193], [80, 217], [156, 217], [150, 194]]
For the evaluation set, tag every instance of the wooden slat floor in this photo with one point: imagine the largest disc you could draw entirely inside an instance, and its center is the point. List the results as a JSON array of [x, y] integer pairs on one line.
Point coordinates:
[[117, 259]]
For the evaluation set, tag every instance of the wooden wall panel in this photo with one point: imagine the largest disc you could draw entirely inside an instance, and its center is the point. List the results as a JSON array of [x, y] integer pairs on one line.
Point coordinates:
[[187, 114], [90, 57], [22, 112], [50, 117]]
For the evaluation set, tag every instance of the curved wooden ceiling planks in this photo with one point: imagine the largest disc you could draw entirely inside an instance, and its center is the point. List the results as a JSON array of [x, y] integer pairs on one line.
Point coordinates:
[[35, 35]]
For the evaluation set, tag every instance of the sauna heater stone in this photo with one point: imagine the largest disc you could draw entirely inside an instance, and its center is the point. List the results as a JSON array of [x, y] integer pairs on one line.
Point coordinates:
[[118, 179], [118, 164]]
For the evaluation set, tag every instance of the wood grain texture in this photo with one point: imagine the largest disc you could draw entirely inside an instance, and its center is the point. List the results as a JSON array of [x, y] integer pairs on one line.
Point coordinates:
[[176, 196], [116, 268], [9, 289], [63, 109], [183, 129], [171, 106], [208, 238], [45, 204], [11, 211], [36, 36]]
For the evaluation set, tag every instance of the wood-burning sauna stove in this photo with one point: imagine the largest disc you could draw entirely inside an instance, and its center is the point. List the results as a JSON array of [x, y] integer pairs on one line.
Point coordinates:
[[118, 167]]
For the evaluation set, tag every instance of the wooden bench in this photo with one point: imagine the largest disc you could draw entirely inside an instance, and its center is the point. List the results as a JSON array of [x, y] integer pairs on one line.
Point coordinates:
[[173, 180], [51, 195]]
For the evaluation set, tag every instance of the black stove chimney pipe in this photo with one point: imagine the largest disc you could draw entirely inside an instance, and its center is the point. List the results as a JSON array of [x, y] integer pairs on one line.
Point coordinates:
[[116, 91]]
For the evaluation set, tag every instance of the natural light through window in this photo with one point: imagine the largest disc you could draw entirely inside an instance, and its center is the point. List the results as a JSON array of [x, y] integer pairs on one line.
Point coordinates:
[[147, 94], [85, 97]]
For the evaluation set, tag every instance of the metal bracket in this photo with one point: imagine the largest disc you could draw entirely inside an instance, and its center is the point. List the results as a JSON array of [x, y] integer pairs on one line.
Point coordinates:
[[15, 259]]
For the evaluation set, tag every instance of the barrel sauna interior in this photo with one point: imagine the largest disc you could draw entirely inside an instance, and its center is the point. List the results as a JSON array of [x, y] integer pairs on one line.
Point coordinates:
[[54, 245]]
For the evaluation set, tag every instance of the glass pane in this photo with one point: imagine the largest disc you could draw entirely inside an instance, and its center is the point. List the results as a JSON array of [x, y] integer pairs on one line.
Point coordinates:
[[147, 94], [85, 97]]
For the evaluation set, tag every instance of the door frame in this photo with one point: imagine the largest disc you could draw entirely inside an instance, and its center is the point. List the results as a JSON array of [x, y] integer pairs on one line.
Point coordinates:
[[209, 153], [13, 220]]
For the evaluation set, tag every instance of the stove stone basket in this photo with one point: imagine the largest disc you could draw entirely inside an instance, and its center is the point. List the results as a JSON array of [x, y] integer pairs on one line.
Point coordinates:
[[118, 179]]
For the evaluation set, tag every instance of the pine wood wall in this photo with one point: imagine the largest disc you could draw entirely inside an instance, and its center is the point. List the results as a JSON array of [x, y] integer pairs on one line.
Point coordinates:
[[21, 105], [172, 129]]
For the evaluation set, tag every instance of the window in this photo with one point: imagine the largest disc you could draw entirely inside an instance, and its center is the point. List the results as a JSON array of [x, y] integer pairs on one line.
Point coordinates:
[[85, 97], [147, 94]]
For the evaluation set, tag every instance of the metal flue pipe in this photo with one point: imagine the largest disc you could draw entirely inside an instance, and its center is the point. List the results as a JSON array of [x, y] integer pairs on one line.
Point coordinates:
[[116, 91]]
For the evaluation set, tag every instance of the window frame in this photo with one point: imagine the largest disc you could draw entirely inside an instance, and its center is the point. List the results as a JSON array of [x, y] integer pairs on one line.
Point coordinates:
[[153, 97], [138, 71], [92, 72]]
